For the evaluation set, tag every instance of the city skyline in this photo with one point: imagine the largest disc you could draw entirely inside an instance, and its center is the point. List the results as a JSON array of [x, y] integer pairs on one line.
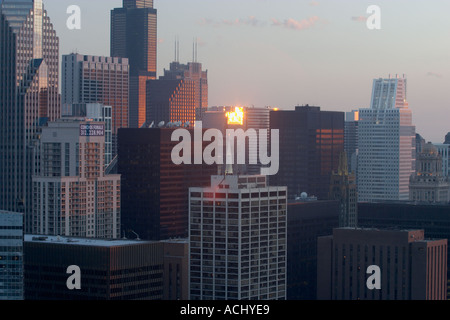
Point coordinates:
[[291, 53]]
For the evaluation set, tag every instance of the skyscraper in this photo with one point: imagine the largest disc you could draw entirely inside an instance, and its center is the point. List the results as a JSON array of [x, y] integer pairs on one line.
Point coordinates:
[[171, 101], [72, 194], [386, 143], [311, 142], [191, 71], [343, 189], [155, 191], [134, 36], [29, 67], [237, 232], [94, 79]]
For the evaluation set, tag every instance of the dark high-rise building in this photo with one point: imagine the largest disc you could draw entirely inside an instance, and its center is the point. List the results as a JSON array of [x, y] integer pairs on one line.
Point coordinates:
[[311, 142], [134, 36], [434, 219], [171, 101], [411, 266], [306, 221], [343, 189], [191, 71], [109, 269], [29, 67], [154, 190]]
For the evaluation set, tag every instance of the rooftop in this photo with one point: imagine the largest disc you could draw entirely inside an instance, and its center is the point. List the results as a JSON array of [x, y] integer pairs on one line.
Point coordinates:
[[82, 241]]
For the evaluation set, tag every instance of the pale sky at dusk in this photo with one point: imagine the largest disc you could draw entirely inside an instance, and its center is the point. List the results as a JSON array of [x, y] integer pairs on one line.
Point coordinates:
[[283, 53]]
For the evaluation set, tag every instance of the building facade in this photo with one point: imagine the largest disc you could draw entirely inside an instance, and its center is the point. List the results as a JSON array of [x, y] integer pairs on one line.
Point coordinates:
[[93, 79], [429, 184], [386, 134], [155, 191], [237, 232], [109, 269], [93, 112], [72, 194], [311, 142], [171, 101], [306, 221], [11, 256], [29, 76], [343, 188], [351, 139], [134, 36], [411, 267], [191, 71]]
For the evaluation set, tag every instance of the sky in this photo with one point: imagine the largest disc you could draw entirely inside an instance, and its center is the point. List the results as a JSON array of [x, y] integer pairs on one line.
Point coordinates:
[[283, 53]]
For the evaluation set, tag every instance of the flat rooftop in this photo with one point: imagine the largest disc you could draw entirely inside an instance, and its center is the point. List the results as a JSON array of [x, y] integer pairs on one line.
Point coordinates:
[[83, 241]]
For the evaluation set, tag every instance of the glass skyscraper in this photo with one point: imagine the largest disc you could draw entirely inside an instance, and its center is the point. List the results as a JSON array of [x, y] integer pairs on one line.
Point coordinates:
[[134, 36], [29, 58]]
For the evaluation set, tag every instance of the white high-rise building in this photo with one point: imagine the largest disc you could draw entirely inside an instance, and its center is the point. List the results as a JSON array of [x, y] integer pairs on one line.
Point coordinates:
[[237, 232], [386, 141], [72, 195]]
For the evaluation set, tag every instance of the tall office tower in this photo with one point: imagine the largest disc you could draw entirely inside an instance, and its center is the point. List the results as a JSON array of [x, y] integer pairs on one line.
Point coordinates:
[[386, 143], [343, 189], [223, 118], [171, 101], [29, 67], [351, 139], [109, 269], [411, 267], [447, 138], [72, 194], [311, 142], [11, 256], [191, 71], [93, 112], [306, 221], [94, 79], [237, 232], [429, 184], [134, 36], [154, 190], [444, 152]]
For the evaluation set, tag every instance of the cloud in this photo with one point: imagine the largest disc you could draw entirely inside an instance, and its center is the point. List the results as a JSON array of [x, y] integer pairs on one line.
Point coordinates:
[[296, 24], [359, 19], [434, 74], [251, 21]]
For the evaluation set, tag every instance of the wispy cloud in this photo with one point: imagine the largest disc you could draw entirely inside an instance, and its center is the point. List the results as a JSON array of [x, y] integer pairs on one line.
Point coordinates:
[[251, 21], [359, 19], [435, 74], [296, 24]]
